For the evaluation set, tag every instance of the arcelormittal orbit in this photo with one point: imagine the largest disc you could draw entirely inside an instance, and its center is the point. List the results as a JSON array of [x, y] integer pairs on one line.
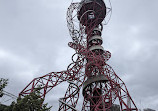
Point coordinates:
[[89, 72]]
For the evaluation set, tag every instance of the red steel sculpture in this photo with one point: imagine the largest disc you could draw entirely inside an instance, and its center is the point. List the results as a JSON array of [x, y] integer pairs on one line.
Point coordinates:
[[101, 87]]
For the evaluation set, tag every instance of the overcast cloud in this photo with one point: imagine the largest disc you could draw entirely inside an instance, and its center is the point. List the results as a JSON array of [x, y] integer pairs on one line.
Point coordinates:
[[34, 37]]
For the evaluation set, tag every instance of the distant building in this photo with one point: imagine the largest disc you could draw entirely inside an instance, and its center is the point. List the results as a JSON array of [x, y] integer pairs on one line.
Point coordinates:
[[148, 109], [115, 107]]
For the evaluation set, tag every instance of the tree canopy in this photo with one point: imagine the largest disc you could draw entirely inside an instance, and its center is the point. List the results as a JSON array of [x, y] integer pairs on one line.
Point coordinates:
[[31, 102], [3, 84]]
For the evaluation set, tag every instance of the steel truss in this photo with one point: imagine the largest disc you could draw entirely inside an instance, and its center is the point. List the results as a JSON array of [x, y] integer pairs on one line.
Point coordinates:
[[100, 84]]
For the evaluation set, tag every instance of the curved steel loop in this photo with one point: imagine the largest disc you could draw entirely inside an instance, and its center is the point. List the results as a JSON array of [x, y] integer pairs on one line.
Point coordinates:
[[74, 33], [106, 55], [109, 13], [78, 58], [77, 89]]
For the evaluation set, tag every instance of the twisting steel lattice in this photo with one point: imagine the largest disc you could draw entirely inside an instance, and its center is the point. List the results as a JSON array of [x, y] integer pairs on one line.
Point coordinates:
[[100, 84]]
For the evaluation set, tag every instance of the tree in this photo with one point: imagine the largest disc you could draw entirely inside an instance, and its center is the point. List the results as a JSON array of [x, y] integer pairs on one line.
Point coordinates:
[[31, 102], [3, 84], [2, 107]]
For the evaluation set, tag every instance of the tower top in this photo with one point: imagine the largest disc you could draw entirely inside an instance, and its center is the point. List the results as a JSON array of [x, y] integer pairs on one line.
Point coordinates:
[[91, 12]]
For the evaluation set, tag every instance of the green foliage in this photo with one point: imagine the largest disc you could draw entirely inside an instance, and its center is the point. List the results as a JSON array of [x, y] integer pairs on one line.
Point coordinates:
[[3, 84], [2, 107], [31, 102]]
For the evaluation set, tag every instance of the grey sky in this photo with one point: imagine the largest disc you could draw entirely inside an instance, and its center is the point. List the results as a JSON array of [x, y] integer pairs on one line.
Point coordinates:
[[34, 37]]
